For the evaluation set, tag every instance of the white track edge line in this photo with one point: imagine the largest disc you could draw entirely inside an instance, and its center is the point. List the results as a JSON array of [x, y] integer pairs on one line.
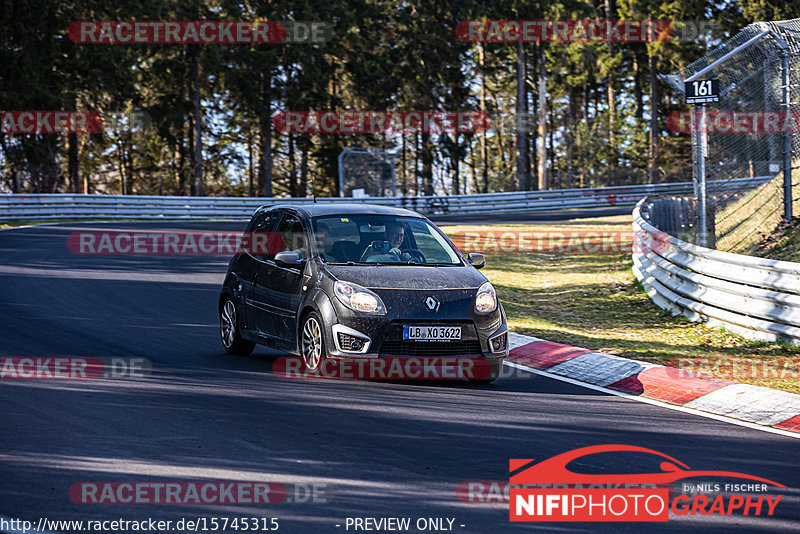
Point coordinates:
[[691, 411]]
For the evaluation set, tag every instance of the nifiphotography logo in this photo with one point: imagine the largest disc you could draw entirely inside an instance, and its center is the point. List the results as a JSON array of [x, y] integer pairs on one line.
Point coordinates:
[[549, 491]]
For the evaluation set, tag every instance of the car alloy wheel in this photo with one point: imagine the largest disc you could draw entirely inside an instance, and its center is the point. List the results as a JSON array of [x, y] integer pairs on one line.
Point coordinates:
[[312, 346], [228, 323], [229, 330]]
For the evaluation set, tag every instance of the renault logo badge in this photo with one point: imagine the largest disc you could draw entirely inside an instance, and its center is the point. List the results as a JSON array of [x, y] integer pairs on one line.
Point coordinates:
[[431, 303]]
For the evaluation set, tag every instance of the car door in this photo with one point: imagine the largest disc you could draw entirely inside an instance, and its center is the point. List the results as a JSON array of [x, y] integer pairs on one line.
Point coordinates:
[[281, 287], [257, 312]]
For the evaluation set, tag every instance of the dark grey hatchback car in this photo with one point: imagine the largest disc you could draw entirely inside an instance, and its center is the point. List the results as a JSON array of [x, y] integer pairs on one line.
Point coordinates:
[[342, 280]]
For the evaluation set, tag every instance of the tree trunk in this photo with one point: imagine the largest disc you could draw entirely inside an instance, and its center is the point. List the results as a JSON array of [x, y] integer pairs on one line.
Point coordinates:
[[403, 182], [197, 154], [571, 120], [182, 161], [416, 165], [542, 120], [473, 171], [427, 164], [551, 149], [72, 161], [523, 144], [251, 190], [651, 168], [123, 179], [501, 135], [130, 173], [454, 163], [637, 85], [265, 161], [484, 156], [304, 169], [190, 184], [292, 167], [610, 10]]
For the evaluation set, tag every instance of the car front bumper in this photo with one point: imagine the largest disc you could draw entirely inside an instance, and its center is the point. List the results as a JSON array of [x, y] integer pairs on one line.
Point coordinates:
[[361, 335]]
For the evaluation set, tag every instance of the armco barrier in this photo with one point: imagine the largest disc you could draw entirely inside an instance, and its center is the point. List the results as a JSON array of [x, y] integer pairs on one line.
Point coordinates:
[[73, 206], [755, 297]]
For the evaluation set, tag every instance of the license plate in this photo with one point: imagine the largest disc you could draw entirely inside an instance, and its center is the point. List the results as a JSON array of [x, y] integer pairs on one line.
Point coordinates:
[[432, 333]]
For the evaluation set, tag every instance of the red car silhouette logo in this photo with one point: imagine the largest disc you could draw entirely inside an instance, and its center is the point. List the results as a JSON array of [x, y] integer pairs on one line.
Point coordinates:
[[554, 470]]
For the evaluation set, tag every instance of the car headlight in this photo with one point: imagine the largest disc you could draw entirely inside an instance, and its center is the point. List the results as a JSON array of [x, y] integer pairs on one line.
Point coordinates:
[[359, 298], [486, 299]]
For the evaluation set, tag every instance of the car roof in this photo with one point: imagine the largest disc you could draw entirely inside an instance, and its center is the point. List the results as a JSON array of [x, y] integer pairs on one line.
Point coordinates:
[[342, 208]]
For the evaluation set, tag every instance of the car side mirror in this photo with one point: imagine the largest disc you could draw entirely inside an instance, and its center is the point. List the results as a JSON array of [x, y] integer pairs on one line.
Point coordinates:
[[476, 260], [288, 258]]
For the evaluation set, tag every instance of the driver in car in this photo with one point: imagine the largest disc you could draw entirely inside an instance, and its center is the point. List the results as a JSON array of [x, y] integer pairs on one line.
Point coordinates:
[[393, 238], [395, 233]]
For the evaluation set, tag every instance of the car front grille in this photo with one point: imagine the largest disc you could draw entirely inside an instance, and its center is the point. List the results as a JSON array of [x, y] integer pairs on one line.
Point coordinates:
[[430, 349]]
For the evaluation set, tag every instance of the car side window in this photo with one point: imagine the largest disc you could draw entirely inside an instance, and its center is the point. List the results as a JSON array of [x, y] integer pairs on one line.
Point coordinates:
[[430, 243], [291, 236], [261, 236], [263, 222]]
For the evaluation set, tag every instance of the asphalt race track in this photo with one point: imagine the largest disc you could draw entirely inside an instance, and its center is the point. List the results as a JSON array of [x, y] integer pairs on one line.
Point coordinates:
[[380, 449]]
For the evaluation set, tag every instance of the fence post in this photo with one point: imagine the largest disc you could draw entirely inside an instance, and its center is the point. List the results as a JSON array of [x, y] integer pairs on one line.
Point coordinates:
[[787, 137], [700, 141]]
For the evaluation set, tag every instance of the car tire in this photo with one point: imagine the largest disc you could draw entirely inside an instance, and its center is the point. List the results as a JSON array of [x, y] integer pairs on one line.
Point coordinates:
[[312, 342], [229, 330]]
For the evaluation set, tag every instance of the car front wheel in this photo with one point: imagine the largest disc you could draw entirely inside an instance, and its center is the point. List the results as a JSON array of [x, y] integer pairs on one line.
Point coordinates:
[[312, 344], [232, 338]]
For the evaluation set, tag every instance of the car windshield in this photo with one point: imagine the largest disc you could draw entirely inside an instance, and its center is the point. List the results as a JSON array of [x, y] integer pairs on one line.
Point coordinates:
[[382, 240]]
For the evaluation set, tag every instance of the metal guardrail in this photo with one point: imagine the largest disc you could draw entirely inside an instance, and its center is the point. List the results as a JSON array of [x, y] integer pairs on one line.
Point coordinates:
[[755, 297], [73, 206]]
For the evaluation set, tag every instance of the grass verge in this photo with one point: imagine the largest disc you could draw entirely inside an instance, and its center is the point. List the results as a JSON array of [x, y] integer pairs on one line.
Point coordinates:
[[593, 301], [783, 244], [742, 226]]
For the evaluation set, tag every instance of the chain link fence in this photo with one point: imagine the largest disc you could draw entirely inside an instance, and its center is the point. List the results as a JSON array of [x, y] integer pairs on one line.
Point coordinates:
[[367, 172], [749, 131]]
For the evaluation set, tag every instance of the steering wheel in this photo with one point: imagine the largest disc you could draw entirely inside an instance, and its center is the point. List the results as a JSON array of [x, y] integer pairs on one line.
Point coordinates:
[[414, 252]]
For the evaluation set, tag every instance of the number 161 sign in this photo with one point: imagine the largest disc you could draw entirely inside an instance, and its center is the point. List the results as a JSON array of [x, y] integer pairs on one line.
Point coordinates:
[[701, 91]]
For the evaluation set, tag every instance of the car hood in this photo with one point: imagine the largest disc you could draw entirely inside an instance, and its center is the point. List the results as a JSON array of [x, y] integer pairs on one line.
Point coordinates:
[[408, 276]]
